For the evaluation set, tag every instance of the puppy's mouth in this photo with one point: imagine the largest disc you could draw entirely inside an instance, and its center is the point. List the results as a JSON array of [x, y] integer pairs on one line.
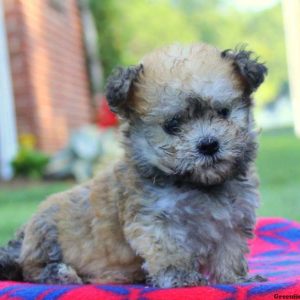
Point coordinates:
[[202, 169], [207, 171], [212, 161]]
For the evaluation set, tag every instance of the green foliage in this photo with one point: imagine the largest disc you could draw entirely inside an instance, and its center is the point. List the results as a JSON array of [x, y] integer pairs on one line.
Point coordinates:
[[224, 26], [29, 163], [128, 29], [142, 32], [107, 15]]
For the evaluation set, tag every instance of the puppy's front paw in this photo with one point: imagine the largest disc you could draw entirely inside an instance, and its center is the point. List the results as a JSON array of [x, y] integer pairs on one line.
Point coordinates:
[[174, 277], [59, 273], [255, 278]]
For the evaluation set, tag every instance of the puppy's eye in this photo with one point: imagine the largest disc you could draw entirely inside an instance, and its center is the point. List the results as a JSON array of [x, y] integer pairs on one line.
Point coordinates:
[[224, 112], [172, 126]]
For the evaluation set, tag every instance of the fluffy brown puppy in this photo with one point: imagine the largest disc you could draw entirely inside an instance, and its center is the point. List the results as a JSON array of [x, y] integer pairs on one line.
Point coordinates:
[[180, 206]]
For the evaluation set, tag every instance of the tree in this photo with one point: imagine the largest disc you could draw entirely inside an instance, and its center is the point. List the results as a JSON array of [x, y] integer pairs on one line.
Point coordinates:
[[130, 28], [107, 14], [221, 24]]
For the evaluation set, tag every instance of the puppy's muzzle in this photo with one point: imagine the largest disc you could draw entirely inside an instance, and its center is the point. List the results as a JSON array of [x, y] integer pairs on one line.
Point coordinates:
[[208, 146]]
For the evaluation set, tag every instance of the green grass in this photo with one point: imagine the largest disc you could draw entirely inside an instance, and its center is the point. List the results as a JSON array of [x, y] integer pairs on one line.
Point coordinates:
[[278, 165], [19, 201], [279, 169]]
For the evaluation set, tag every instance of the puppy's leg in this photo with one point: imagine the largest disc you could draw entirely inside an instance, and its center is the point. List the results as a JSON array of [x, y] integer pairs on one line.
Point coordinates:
[[41, 256], [167, 263], [168, 267], [227, 264]]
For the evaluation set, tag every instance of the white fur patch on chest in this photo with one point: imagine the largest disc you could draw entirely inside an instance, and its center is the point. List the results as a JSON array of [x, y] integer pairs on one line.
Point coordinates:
[[196, 219], [192, 202]]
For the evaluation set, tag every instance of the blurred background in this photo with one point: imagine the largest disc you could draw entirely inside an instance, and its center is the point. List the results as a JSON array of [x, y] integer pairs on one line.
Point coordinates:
[[55, 56]]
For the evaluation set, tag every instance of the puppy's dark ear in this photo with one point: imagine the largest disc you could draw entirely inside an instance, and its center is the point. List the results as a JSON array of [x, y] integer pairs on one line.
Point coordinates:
[[119, 88], [252, 71]]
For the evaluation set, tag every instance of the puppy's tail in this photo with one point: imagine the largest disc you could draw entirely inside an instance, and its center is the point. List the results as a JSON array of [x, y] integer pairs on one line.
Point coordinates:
[[10, 268]]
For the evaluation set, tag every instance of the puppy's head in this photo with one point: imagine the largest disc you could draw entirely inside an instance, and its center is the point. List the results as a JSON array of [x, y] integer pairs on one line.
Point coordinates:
[[188, 111]]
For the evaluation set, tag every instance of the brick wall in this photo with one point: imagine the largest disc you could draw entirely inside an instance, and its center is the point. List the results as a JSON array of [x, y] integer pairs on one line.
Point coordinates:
[[48, 69]]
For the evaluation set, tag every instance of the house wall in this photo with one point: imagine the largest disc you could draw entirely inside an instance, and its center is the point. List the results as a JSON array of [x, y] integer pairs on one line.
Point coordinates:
[[48, 69]]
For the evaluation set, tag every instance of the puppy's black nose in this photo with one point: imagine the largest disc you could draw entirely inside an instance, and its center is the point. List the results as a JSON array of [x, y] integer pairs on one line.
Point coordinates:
[[209, 146]]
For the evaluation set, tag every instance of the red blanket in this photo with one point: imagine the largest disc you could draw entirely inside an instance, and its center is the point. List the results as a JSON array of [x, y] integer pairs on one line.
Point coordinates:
[[275, 253]]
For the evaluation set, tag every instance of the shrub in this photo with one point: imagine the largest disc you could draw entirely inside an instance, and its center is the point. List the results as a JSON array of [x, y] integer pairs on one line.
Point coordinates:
[[29, 163]]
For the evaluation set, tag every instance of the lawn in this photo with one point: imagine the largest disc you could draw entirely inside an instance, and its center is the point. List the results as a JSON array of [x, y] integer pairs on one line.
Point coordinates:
[[279, 169], [18, 201], [278, 165]]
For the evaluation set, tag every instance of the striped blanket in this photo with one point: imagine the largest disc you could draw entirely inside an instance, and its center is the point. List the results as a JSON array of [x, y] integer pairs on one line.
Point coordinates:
[[275, 253]]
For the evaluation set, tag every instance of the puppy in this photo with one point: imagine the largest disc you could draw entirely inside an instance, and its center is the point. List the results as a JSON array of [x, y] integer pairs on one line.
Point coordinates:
[[178, 209]]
